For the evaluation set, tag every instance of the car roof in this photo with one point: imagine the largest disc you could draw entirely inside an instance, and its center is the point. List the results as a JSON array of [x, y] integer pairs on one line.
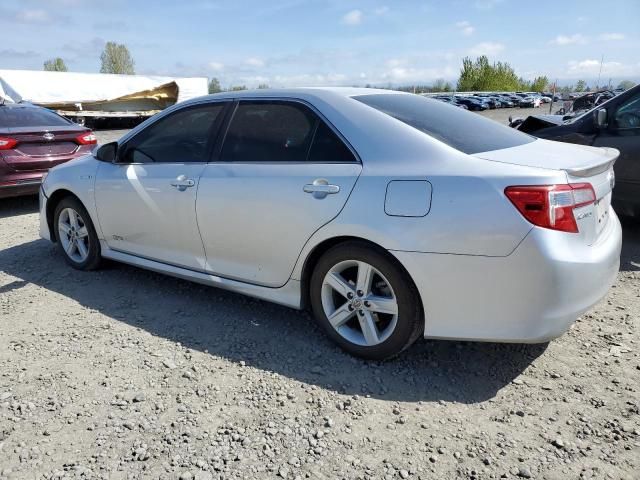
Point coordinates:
[[18, 105], [306, 91]]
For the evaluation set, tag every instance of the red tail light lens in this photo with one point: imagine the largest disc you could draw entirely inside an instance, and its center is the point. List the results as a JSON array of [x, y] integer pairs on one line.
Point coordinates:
[[551, 206], [87, 138], [7, 143]]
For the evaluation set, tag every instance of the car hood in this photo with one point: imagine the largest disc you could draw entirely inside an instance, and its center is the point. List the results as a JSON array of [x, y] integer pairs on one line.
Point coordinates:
[[577, 160]]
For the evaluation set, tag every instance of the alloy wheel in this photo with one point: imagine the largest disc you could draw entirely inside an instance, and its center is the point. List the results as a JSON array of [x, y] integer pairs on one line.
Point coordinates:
[[359, 303], [73, 235]]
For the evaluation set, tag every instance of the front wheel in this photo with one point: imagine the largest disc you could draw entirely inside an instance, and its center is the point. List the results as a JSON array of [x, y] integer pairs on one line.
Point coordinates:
[[365, 301], [76, 235]]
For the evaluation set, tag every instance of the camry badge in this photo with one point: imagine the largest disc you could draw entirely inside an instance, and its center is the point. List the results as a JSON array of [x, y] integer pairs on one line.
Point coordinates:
[[48, 136]]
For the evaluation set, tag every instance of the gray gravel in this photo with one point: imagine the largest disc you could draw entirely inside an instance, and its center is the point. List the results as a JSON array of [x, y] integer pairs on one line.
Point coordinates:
[[123, 373]]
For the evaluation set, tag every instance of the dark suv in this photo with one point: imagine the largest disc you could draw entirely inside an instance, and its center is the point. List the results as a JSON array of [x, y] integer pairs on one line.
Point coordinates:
[[32, 140], [615, 123]]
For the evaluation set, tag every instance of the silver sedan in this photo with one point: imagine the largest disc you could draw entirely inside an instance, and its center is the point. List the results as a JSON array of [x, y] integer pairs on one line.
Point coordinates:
[[390, 215]]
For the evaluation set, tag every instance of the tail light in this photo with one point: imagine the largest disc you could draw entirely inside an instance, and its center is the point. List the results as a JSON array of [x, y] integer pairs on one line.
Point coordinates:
[[87, 138], [7, 143], [551, 206]]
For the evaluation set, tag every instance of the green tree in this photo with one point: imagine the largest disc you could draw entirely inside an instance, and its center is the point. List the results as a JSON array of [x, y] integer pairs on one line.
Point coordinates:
[[214, 86], [236, 88], [440, 85], [55, 65], [480, 75], [626, 84], [539, 84], [263, 86], [116, 58], [580, 86]]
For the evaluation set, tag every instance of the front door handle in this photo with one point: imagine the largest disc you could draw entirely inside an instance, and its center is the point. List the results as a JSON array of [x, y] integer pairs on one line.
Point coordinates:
[[182, 183], [320, 188]]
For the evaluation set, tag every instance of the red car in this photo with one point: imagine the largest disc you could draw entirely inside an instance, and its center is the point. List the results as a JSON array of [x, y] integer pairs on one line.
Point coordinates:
[[32, 140]]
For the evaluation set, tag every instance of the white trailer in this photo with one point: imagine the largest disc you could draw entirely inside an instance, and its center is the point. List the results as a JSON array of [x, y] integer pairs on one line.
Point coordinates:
[[86, 97]]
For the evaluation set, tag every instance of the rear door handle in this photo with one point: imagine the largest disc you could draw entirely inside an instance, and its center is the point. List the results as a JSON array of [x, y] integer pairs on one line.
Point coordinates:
[[320, 188], [182, 183]]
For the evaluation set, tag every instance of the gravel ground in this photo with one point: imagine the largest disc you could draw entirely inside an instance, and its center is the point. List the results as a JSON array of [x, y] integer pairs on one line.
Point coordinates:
[[123, 373]]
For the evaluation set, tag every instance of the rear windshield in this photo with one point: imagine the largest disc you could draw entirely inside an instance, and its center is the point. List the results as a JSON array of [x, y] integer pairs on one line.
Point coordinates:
[[465, 131], [12, 117]]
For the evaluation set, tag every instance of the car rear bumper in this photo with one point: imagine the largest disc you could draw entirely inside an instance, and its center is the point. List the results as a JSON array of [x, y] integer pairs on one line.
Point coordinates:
[[530, 296]]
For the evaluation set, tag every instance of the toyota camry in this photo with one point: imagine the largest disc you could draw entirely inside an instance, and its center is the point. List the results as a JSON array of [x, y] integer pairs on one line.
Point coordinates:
[[391, 216]]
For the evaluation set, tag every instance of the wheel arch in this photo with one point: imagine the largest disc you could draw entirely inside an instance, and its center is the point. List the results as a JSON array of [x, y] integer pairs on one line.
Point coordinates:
[[52, 202], [321, 248]]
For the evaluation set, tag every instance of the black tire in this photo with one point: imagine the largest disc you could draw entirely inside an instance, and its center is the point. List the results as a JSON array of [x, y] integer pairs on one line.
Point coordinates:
[[410, 319], [93, 258]]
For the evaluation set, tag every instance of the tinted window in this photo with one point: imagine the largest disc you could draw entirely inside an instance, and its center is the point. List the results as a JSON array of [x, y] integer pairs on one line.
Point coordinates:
[[464, 131], [628, 114], [30, 117], [269, 132], [327, 147], [182, 137]]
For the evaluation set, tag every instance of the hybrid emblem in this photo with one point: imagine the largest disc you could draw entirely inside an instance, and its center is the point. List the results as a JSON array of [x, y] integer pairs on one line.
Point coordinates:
[[612, 179], [48, 136]]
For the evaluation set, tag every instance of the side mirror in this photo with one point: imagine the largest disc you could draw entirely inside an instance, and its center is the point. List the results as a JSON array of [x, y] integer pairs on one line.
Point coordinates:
[[107, 152], [601, 118]]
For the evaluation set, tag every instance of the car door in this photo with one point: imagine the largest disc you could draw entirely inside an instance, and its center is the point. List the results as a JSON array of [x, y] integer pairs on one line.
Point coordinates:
[[281, 173], [623, 133], [146, 201]]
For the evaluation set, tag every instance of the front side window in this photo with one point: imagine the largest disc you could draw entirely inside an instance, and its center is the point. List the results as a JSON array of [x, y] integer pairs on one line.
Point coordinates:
[[628, 114], [281, 131], [184, 136], [465, 131]]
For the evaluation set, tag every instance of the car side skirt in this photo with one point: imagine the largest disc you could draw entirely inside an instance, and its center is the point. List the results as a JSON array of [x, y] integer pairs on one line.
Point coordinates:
[[288, 295]]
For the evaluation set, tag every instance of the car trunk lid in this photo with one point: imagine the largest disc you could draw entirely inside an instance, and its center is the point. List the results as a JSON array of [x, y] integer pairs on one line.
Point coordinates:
[[581, 164], [39, 149]]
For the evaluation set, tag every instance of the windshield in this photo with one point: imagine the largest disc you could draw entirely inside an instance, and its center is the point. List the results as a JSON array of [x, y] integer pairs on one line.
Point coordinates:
[[465, 131]]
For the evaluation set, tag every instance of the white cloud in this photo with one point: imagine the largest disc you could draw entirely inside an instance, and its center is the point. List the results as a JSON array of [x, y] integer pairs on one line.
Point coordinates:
[[409, 74], [562, 40], [254, 62], [611, 36], [591, 68], [465, 27], [354, 17], [216, 66], [33, 16], [487, 48]]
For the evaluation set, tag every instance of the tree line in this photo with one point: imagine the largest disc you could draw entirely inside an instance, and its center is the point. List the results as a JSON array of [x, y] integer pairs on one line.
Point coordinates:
[[475, 75], [115, 58]]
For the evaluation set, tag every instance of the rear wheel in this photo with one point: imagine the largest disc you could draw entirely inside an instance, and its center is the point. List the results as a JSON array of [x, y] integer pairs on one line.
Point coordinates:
[[77, 238], [365, 302]]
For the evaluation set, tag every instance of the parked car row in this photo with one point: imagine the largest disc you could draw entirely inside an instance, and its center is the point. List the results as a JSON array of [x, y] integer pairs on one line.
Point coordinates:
[[486, 101]]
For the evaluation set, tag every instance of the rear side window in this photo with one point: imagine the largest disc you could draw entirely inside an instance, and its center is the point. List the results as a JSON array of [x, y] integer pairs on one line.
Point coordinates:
[[327, 147], [281, 131], [465, 131], [14, 117]]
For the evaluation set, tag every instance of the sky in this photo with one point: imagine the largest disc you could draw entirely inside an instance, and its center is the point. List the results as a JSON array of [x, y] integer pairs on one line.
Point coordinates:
[[329, 42]]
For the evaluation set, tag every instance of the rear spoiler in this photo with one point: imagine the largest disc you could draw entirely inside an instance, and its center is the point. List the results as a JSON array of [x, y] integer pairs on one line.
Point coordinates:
[[590, 170]]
